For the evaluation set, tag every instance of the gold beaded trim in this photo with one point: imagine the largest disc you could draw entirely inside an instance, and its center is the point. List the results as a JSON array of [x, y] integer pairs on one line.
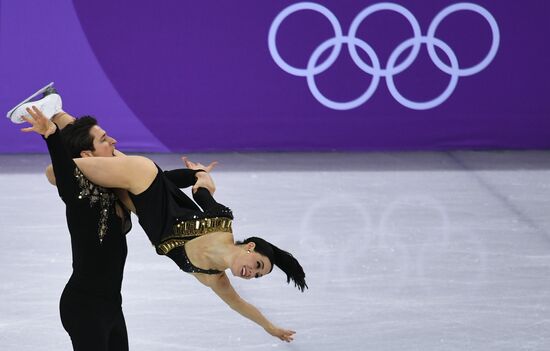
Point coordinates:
[[169, 245], [96, 195], [184, 231]]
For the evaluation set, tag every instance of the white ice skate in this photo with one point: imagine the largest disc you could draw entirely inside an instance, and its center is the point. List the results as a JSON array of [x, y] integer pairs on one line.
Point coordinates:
[[49, 103]]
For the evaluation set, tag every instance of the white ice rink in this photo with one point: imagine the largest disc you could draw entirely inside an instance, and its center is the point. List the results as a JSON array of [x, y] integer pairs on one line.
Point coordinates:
[[402, 251]]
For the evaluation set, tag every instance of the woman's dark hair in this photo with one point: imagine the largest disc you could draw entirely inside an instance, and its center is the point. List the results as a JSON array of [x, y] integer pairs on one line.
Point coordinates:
[[76, 136], [280, 258]]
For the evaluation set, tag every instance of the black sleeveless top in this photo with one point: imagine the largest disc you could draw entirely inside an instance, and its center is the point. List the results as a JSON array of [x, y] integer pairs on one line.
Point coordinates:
[[179, 256], [170, 218]]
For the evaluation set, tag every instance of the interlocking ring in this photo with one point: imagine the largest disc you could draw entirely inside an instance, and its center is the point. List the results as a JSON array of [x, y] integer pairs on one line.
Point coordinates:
[[275, 27], [351, 41], [375, 69]]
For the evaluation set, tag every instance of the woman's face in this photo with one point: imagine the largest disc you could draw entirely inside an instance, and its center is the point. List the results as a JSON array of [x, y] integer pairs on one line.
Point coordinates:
[[250, 264]]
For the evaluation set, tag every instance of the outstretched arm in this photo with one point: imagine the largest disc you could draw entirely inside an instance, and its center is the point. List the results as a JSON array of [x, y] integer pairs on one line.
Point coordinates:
[[223, 288], [62, 162]]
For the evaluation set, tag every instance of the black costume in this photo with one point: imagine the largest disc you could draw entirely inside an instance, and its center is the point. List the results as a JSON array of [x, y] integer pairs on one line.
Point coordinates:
[[90, 305], [170, 218]]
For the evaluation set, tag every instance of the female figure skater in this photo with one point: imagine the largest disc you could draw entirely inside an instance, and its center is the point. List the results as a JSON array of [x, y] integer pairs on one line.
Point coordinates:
[[199, 242]]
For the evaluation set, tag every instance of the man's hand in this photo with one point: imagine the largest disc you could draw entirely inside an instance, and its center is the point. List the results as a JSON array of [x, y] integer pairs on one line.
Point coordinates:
[[283, 334], [39, 123], [50, 175]]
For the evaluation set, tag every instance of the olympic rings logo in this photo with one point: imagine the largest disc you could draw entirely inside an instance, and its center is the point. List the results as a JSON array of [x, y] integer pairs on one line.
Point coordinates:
[[391, 69]]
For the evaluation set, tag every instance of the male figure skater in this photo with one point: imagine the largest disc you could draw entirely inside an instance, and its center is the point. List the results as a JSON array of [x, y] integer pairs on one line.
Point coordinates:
[[91, 303]]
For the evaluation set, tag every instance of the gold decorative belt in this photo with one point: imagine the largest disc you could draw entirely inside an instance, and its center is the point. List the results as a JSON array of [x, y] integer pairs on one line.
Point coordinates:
[[184, 231]]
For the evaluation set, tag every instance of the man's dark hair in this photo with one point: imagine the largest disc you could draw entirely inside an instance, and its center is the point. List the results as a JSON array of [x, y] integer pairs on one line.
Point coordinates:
[[280, 258], [76, 136]]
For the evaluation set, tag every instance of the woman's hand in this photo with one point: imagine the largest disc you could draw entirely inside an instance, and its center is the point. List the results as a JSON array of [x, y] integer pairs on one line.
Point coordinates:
[[196, 165], [39, 123], [283, 334], [204, 180]]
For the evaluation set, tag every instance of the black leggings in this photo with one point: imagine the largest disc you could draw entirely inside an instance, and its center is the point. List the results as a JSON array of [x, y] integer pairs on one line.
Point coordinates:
[[93, 323]]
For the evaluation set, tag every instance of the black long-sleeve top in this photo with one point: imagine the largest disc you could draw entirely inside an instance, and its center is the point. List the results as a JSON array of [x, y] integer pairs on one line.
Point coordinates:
[[98, 239], [163, 204], [170, 218]]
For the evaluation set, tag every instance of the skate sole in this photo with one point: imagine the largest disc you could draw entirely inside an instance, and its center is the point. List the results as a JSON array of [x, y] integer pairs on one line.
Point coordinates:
[[41, 91]]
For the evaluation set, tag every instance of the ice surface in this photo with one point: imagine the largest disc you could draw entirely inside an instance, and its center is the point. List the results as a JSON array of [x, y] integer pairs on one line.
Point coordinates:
[[403, 251]]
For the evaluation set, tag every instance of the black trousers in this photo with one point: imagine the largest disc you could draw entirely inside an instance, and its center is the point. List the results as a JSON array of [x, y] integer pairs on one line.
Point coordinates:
[[93, 323]]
